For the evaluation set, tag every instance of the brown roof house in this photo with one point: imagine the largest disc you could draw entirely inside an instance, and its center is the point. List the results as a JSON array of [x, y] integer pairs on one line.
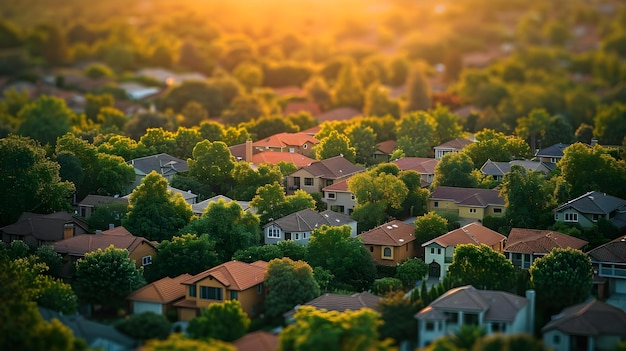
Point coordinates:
[[338, 198], [257, 341], [609, 262], [159, 296], [592, 325], [299, 143], [390, 243], [140, 249], [424, 166], [320, 174], [439, 251], [383, 151], [455, 145], [89, 204], [299, 225], [469, 203], [231, 280], [43, 229], [495, 311], [340, 303], [524, 246]]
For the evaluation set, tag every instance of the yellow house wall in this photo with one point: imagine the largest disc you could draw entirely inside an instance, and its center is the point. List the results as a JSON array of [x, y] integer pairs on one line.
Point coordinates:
[[443, 206], [489, 211], [400, 254], [143, 249], [464, 212]]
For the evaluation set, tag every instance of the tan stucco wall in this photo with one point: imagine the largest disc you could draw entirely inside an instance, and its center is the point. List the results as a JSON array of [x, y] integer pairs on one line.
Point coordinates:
[[143, 249]]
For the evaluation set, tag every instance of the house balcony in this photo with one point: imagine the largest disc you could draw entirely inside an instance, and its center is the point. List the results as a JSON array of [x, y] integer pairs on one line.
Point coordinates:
[[612, 272]]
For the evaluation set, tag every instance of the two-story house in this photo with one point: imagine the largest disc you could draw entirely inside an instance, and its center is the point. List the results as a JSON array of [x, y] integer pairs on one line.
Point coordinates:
[[551, 154], [88, 205], [159, 296], [164, 164], [588, 208], [231, 280], [338, 198], [383, 151], [299, 143], [468, 203], [439, 251], [299, 225], [524, 246], [314, 177], [609, 262], [390, 243], [494, 311], [455, 145], [36, 229], [497, 170], [424, 166]]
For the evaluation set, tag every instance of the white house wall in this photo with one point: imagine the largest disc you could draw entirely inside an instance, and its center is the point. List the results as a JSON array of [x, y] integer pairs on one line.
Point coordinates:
[[142, 306]]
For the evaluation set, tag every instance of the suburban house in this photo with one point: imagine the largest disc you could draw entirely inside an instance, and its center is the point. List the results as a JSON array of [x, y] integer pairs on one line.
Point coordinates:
[[231, 280], [189, 197], [497, 170], [163, 164], [314, 177], [468, 203], [257, 341], [383, 151], [524, 246], [340, 303], [551, 154], [495, 311], [439, 251], [592, 325], [36, 229], [97, 336], [246, 152], [424, 166], [338, 198], [455, 145], [199, 208], [588, 208], [159, 296], [299, 225], [609, 262], [140, 249], [390, 243], [89, 204], [299, 143]]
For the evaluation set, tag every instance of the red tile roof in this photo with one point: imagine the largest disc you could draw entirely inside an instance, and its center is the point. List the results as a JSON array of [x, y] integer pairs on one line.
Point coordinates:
[[387, 147], [312, 131], [286, 139], [235, 275], [540, 241], [472, 233], [119, 237], [394, 233], [164, 290], [257, 341], [339, 186], [274, 157], [333, 168]]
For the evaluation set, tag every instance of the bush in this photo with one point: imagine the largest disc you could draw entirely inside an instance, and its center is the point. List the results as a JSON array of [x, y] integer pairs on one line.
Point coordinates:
[[411, 271], [145, 326], [384, 286], [98, 70], [383, 271]]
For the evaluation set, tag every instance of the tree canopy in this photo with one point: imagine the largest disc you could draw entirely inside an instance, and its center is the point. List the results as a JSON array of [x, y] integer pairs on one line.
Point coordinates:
[[482, 267], [224, 321], [289, 283]]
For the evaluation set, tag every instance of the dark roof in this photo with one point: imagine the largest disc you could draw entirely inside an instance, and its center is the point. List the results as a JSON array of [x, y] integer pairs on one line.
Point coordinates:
[[468, 196], [163, 164], [119, 237], [591, 318], [307, 220], [473, 233], [555, 150], [48, 227], [88, 330], [540, 241], [95, 200], [257, 341], [457, 144], [387, 146], [341, 303], [421, 165], [593, 202], [394, 233], [502, 168], [613, 251], [333, 168], [498, 305]]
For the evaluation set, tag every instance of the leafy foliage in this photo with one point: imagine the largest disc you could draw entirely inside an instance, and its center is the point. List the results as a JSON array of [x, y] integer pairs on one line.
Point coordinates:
[[145, 326], [188, 253], [221, 320], [289, 283], [387, 285], [482, 267], [411, 271]]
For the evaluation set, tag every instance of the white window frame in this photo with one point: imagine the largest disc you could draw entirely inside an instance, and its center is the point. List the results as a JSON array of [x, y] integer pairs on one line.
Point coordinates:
[[571, 217], [273, 233], [306, 180], [146, 260], [331, 195]]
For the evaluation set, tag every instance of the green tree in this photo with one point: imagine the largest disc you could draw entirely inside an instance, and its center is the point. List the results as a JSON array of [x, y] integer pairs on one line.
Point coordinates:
[[255, 253], [138, 124], [158, 140], [212, 164], [363, 139], [98, 70], [187, 253], [417, 91], [495, 146], [245, 108], [398, 316], [377, 196], [30, 180], [145, 326], [526, 198], [55, 47], [211, 130], [411, 271], [609, 124], [345, 257], [247, 179], [348, 90], [106, 214], [107, 276], [317, 90], [386, 285], [155, 212], [56, 295], [208, 95], [94, 103], [482, 267], [430, 226], [250, 76], [415, 134], [272, 203], [447, 125], [335, 145], [222, 321], [533, 126], [177, 342], [455, 169], [379, 103], [269, 125], [289, 283], [45, 119], [192, 114], [46, 254], [185, 139], [561, 278], [111, 118]]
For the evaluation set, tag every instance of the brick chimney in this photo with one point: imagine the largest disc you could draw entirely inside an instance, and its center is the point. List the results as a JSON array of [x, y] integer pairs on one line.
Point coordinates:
[[248, 157], [68, 230]]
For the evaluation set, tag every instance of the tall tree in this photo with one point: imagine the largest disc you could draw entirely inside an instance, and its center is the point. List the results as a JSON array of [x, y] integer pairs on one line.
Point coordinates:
[[411, 271], [526, 198], [221, 320], [145, 326], [430, 226], [417, 91], [204, 93], [495, 146], [155, 212], [212, 164], [107, 276], [30, 180], [455, 169], [45, 119], [385, 191], [363, 139], [333, 145], [398, 315], [187, 253], [379, 103], [447, 125], [533, 126], [289, 283], [482, 267], [415, 134], [247, 179], [348, 90], [609, 124]]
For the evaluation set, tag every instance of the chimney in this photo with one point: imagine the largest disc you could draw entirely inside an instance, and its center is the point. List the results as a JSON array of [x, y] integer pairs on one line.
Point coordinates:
[[594, 142], [248, 157], [530, 295], [68, 230], [98, 232], [111, 226]]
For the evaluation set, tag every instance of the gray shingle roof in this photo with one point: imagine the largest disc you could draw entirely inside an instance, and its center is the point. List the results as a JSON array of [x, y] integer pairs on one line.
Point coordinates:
[[502, 168], [43, 227], [163, 164], [307, 220], [613, 251], [341, 303], [555, 150], [468, 196], [593, 202], [591, 318]]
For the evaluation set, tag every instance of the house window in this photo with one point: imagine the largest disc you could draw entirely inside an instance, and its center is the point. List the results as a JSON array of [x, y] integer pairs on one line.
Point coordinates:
[[332, 195], [292, 150], [297, 236], [273, 232], [303, 235], [432, 250], [595, 217], [352, 196], [192, 291], [497, 210], [556, 216], [498, 327], [571, 217], [472, 210], [517, 256], [436, 204], [556, 339], [438, 251], [452, 317], [371, 248], [259, 289], [553, 160], [387, 253], [430, 326], [305, 146], [470, 318], [329, 182], [210, 293], [234, 295], [308, 181], [146, 260]]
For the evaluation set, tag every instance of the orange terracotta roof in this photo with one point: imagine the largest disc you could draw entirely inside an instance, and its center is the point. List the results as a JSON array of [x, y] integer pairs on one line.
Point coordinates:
[[339, 186], [472, 233], [274, 157], [387, 146], [257, 341], [286, 139], [235, 275], [540, 241], [119, 237], [164, 290], [302, 106], [394, 233], [312, 131]]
